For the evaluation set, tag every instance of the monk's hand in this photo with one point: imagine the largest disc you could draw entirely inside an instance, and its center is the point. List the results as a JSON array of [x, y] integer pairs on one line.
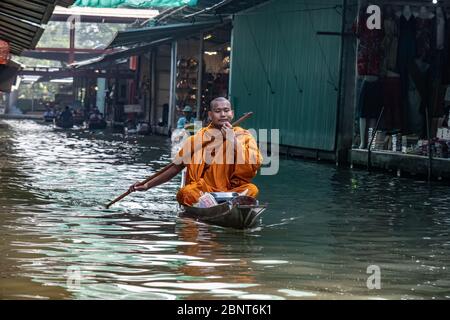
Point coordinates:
[[138, 186], [228, 132]]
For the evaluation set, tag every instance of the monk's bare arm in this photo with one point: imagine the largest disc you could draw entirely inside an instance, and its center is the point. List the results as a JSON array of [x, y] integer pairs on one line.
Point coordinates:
[[163, 178]]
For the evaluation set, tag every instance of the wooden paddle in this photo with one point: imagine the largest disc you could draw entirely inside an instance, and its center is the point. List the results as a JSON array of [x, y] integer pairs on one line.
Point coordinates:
[[157, 174]]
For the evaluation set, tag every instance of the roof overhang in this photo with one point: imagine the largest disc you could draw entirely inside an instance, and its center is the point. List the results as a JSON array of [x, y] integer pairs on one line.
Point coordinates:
[[106, 59], [206, 9], [147, 35], [103, 14], [22, 21]]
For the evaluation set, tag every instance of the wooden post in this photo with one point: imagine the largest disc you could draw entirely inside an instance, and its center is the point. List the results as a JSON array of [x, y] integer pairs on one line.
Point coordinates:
[[173, 85], [200, 77]]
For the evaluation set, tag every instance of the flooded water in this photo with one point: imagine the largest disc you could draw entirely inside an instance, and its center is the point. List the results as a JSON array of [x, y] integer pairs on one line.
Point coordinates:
[[323, 229]]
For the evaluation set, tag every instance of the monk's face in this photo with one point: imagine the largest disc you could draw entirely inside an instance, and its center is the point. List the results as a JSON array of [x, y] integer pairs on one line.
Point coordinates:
[[220, 114]]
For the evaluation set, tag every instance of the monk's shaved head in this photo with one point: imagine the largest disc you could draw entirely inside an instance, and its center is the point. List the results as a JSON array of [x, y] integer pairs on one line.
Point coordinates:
[[218, 101], [220, 112]]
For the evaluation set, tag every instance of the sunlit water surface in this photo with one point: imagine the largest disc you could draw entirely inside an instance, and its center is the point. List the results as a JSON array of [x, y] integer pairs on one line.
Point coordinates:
[[323, 229]]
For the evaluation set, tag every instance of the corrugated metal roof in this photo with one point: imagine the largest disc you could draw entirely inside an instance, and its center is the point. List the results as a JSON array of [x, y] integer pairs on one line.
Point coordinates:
[[101, 61], [21, 21], [143, 4], [146, 35], [65, 3], [103, 13], [205, 9], [172, 21]]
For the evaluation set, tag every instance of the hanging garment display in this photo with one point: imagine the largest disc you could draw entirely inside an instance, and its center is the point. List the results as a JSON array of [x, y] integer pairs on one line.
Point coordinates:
[[389, 44], [420, 74], [437, 99], [369, 46], [423, 38], [405, 57], [392, 115], [406, 43], [370, 100], [440, 46], [414, 65], [413, 121], [440, 64]]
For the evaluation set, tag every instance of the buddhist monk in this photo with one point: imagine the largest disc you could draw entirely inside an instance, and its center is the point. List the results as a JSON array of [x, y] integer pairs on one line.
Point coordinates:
[[218, 158]]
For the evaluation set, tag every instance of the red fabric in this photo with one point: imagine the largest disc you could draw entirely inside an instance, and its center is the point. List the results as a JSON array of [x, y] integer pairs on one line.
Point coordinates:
[[369, 48], [4, 52]]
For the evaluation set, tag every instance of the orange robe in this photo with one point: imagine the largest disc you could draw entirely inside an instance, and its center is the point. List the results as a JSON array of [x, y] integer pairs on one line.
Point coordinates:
[[218, 175]]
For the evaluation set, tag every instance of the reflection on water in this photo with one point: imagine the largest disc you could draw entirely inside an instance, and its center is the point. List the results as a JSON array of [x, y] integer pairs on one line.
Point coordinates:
[[322, 230]]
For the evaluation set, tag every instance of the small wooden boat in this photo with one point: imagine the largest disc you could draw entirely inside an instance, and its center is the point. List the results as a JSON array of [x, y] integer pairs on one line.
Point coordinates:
[[48, 118], [241, 212], [97, 124], [78, 120], [233, 211], [63, 124]]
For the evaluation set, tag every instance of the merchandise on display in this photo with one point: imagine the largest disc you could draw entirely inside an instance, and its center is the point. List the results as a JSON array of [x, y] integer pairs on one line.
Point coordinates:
[[404, 79]]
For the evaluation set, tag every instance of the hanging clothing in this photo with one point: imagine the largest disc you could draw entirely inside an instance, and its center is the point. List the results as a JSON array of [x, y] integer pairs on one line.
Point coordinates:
[[420, 74], [407, 43], [414, 118], [389, 45], [392, 101], [370, 100], [405, 57], [423, 38], [440, 33], [437, 102], [446, 57], [369, 46], [440, 50], [440, 64]]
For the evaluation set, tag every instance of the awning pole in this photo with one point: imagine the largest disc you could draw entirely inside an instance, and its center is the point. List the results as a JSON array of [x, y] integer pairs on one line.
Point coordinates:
[[173, 85], [430, 155], [153, 88], [200, 77], [369, 149]]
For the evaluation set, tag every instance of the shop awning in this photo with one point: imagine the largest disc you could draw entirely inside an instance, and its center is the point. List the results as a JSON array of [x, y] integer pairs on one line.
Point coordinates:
[[147, 35], [134, 3], [206, 9], [21, 21], [106, 59]]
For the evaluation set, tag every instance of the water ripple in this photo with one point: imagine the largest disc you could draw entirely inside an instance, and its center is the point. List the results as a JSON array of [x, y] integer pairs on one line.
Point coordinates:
[[324, 227]]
